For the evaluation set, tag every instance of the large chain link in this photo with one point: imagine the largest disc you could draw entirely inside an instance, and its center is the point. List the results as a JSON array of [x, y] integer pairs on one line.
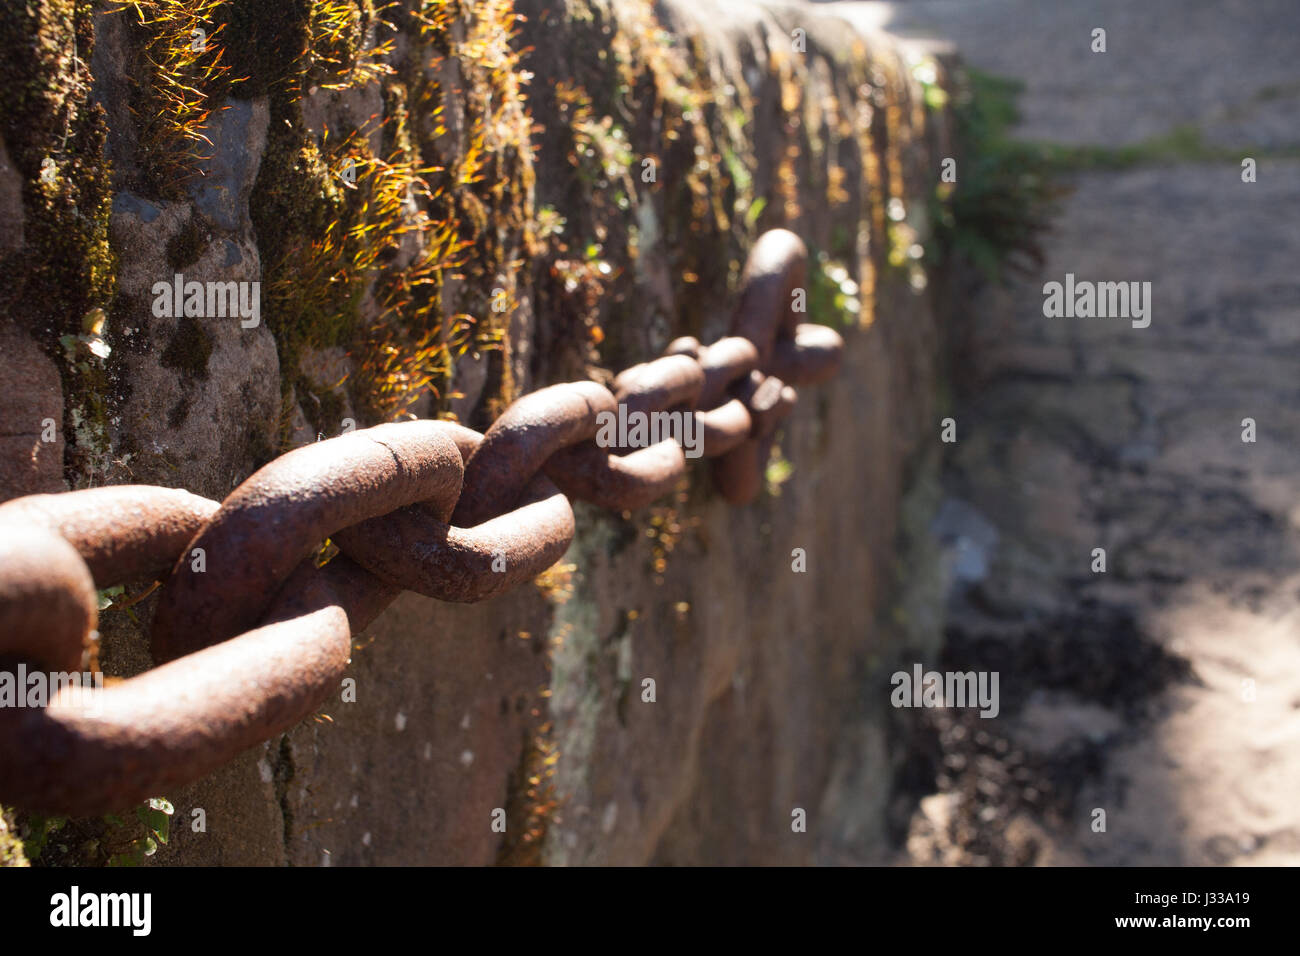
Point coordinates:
[[426, 506]]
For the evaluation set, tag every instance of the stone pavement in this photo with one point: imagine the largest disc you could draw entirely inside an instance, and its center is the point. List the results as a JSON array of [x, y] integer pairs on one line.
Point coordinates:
[[1165, 691]]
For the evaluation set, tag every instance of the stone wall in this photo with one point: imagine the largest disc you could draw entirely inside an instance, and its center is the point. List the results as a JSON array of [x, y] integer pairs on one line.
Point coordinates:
[[668, 137]]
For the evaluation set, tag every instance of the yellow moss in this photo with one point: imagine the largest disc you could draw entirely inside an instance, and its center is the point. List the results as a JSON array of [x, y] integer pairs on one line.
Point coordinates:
[[344, 50], [532, 803], [11, 847], [655, 142], [360, 247], [791, 79], [556, 583], [482, 186], [181, 73], [666, 526]]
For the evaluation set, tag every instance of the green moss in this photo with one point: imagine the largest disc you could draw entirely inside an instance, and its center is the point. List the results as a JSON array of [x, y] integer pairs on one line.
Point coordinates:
[[55, 139], [295, 198], [1184, 143], [189, 349], [39, 832], [265, 42], [295, 195], [328, 244], [55, 136], [289, 46], [187, 245], [315, 273], [634, 99]]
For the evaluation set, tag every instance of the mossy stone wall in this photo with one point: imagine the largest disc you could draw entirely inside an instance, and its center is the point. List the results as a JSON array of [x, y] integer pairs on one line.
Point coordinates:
[[446, 205]]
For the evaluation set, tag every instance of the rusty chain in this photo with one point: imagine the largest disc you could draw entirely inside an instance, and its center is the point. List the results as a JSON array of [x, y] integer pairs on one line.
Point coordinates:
[[426, 506]]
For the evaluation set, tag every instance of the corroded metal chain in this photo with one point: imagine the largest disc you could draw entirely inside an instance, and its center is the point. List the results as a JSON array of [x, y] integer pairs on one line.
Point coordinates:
[[426, 506]]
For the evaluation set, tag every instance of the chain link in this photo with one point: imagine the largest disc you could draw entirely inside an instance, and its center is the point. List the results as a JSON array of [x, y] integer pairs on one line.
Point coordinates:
[[426, 506]]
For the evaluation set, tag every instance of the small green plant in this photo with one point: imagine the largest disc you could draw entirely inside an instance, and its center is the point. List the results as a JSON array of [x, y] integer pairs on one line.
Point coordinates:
[[1007, 190], [126, 839], [833, 295], [81, 350], [109, 596], [777, 472], [155, 814]]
